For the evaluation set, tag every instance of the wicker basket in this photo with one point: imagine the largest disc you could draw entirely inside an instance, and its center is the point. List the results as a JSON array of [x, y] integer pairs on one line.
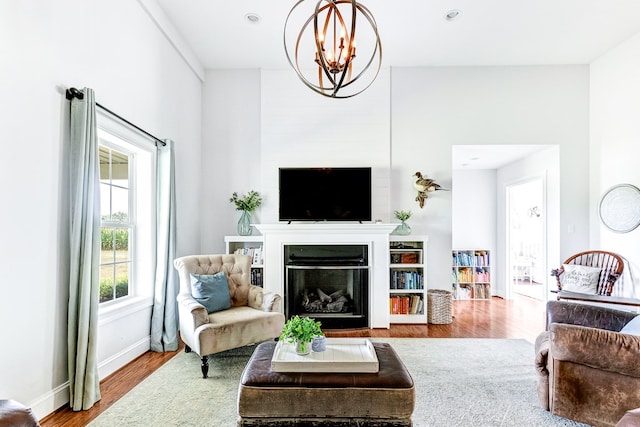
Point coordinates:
[[439, 306]]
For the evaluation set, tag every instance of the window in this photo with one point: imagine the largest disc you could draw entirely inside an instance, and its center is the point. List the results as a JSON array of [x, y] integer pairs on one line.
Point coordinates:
[[116, 228], [127, 204]]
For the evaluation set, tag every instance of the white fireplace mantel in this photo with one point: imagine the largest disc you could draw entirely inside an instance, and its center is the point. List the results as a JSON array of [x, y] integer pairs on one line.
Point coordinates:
[[375, 236], [325, 227]]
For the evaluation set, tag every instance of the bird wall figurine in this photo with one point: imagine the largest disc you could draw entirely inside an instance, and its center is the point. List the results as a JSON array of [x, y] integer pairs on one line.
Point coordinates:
[[424, 187]]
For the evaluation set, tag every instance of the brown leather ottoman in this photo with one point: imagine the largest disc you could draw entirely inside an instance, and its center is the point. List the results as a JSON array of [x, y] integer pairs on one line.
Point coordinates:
[[268, 398]]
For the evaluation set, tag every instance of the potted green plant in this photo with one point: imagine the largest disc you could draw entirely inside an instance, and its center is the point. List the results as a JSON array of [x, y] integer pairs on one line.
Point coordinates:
[[301, 331], [403, 228], [247, 204]]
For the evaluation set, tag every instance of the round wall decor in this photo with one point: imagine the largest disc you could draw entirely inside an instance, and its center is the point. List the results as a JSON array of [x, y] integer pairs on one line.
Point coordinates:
[[619, 208]]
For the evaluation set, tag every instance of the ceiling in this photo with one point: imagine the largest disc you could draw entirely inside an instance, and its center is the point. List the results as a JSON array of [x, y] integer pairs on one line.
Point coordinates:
[[471, 157], [415, 34]]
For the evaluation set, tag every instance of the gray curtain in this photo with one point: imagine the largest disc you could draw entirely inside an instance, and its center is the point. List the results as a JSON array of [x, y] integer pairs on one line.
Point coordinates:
[[164, 321], [84, 283]]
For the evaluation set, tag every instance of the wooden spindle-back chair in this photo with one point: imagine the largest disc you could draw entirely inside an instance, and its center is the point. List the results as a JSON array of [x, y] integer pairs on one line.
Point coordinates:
[[610, 263]]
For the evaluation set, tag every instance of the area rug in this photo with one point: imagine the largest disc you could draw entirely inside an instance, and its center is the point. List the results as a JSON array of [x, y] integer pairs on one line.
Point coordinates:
[[459, 383]]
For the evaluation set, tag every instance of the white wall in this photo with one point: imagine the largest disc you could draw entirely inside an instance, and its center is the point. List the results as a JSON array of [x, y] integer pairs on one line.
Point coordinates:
[[614, 149], [406, 122], [435, 108], [473, 204], [231, 156], [116, 49], [301, 128]]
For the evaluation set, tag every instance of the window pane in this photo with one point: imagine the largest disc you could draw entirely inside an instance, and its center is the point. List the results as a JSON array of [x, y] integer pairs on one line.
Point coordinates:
[[106, 282], [122, 244], [119, 167], [106, 239], [104, 153], [120, 200], [105, 202], [122, 279]]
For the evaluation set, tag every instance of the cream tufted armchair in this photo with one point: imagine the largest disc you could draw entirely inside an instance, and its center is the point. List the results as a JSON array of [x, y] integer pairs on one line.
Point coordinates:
[[253, 316]]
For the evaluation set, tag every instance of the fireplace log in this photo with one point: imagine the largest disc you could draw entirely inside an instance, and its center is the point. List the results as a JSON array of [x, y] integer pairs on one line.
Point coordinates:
[[337, 305], [337, 294], [315, 305], [323, 297]]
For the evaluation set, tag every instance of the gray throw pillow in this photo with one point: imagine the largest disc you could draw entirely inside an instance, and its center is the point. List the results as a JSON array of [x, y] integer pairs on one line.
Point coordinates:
[[211, 290]]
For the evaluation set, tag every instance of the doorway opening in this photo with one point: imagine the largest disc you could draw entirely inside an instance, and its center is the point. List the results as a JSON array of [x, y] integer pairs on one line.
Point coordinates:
[[526, 231]]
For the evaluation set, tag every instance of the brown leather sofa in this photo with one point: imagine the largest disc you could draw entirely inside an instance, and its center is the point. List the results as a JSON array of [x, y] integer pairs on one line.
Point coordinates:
[[588, 371]]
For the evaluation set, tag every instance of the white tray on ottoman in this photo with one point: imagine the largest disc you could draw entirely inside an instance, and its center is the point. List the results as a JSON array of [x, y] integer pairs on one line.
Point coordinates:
[[341, 355]]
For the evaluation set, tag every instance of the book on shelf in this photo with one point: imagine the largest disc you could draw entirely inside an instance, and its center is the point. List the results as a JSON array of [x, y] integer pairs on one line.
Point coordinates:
[[257, 256], [406, 280], [256, 277], [406, 304], [462, 259], [482, 291], [465, 275], [254, 253], [415, 305], [482, 275], [409, 258], [471, 258], [406, 256], [399, 304], [463, 292], [481, 258]]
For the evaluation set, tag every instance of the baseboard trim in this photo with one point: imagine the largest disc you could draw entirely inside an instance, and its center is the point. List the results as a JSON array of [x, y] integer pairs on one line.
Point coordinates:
[[51, 401], [118, 360], [59, 396]]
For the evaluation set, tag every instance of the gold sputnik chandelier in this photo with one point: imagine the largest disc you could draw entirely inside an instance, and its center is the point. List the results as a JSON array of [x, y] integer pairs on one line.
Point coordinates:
[[328, 39]]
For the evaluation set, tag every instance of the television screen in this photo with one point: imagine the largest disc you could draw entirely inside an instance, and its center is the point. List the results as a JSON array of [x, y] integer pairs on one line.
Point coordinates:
[[325, 194]]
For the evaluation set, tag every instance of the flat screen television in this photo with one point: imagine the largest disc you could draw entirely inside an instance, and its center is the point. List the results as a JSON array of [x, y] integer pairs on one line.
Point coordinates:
[[325, 194]]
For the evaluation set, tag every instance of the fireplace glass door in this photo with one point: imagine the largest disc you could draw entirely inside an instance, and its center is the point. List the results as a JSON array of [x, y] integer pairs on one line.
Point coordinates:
[[330, 287]]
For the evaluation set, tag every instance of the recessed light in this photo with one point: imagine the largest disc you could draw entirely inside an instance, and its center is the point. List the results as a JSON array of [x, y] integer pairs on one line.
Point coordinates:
[[453, 14], [252, 18]]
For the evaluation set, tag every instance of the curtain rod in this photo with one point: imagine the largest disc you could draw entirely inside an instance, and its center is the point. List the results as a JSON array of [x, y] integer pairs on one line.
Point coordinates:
[[75, 93]]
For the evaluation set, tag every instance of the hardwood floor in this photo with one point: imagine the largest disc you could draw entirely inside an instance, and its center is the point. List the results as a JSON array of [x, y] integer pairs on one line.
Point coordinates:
[[520, 317]]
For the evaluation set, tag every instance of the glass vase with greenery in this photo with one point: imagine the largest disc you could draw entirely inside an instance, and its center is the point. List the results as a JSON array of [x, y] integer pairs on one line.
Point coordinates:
[[301, 331], [403, 228], [247, 204]]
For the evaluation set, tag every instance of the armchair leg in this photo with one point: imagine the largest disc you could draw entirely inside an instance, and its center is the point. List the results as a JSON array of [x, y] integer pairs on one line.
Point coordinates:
[[205, 366]]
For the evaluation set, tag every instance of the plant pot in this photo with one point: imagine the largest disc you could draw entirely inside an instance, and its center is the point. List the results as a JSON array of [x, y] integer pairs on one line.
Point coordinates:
[[303, 348], [319, 344]]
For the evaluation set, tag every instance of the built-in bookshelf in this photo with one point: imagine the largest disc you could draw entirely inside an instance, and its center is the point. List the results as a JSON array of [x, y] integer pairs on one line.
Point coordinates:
[[407, 279], [471, 274], [253, 247]]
